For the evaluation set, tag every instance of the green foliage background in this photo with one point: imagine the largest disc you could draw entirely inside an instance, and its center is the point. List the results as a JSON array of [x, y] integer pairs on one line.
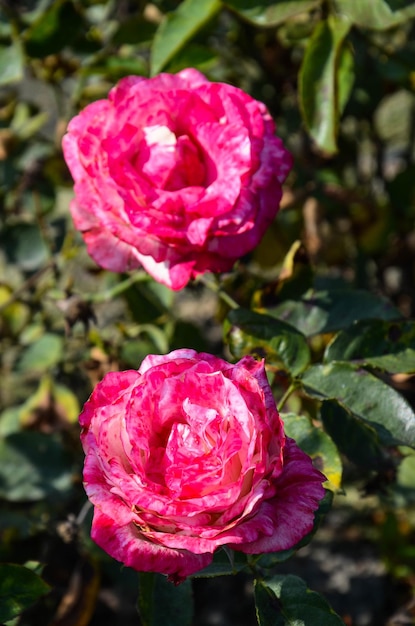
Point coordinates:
[[327, 297]]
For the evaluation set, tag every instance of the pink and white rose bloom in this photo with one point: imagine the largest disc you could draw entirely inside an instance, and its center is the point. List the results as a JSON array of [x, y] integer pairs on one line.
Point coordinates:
[[188, 454], [174, 173]]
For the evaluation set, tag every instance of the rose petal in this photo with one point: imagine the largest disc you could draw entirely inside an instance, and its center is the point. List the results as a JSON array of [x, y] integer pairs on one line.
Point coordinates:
[[128, 545]]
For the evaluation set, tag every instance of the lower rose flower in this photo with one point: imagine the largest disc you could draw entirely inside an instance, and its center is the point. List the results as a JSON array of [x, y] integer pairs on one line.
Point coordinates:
[[188, 454]]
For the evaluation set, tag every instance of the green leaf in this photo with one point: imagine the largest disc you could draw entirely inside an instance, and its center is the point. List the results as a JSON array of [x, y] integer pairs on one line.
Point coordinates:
[[66, 403], [24, 244], [295, 278], [406, 470], [11, 64], [19, 589], [265, 337], [286, 601], [354, 438], [161, 603], [376, 14], [317, 444], [42, 354], [33, 466], [393, 118], [270, 12], [327, 311], [15, 315], [134, 30], [389, 346], [325, 81], [177, 28], [54, 29], [367, 397]]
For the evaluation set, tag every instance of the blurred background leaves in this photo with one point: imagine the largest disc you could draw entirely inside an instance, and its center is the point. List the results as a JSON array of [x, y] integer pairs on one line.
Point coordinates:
[[327, 298]]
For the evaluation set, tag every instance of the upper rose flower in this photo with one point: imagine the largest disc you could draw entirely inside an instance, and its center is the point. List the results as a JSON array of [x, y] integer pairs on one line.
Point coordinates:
[[188, 454], [174, 173]]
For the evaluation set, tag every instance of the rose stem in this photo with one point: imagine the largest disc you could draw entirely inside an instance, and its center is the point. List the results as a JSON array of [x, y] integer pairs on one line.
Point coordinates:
[[216, 288]]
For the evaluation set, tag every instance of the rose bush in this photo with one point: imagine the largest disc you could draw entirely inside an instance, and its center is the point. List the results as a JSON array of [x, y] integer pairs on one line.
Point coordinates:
[[188, 454], [175, 174]]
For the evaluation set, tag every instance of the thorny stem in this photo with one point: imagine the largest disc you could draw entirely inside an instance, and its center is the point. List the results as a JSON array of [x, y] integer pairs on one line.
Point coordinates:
[[216, 288]]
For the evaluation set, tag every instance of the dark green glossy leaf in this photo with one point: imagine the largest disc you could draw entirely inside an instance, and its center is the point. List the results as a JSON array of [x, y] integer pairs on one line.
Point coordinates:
[[328, 311], [265, 337], [33, 466], [367, 397], [389, 346], [286, 601], [270, 12], [317, 444], [53, 30], [148, 300], [376, 14], [355, 438], [324, 67], [19, 589], [161, 603], [177, 28], [11, 63]]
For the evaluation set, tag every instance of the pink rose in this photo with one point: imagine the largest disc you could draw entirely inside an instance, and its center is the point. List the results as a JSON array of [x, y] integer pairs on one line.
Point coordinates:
[[174, 173], [188, 454]]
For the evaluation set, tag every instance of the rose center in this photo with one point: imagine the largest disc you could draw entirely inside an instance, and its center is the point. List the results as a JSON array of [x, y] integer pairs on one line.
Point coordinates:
[[168, 161]]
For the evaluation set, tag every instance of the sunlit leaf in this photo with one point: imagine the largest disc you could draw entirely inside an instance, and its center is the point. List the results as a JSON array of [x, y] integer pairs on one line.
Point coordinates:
[[178, 27], [295, 278], [42, 354], [317, 444], [19, 589], [406, 470], [389, 346], [13, 317], [367, 397], [393, 118], [325, 81], [376, 14], [265, 337], [11, 63], [66, 403], [286, 601], [270, 12]]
